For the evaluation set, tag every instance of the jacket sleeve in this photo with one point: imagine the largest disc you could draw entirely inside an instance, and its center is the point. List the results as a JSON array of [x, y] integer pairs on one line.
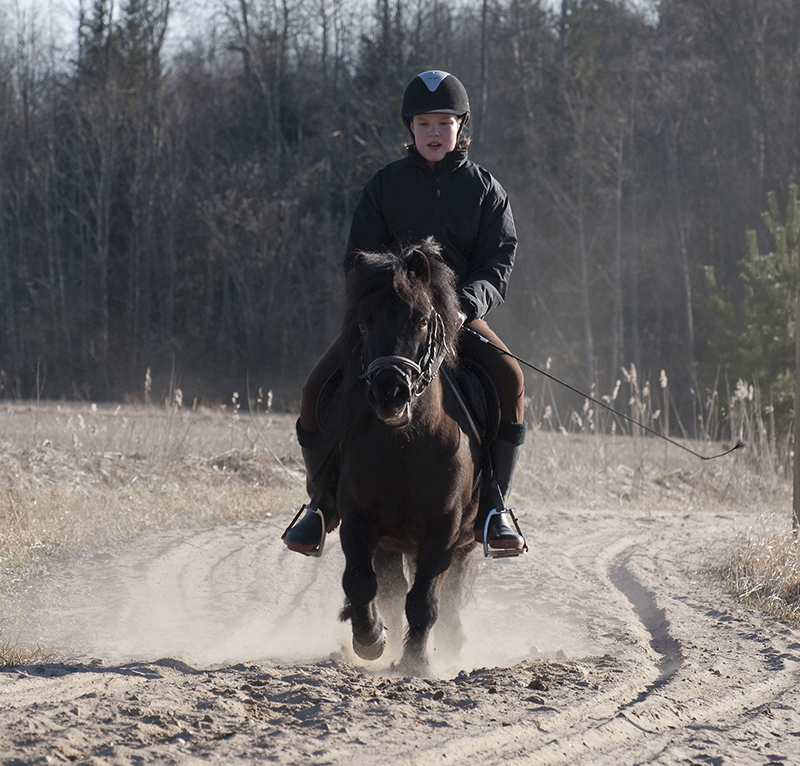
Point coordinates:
[[368, 232], [484, 287]]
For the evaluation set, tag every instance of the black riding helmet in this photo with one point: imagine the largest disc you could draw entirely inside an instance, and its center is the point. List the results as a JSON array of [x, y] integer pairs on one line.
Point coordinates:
[[435, 92]]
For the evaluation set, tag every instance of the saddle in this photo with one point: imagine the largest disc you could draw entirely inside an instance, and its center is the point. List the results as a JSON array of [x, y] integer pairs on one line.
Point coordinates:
[[477, 394]]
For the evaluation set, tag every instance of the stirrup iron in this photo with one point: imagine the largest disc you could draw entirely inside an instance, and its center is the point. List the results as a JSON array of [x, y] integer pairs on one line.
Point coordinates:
[[316, 552], [502, 553]]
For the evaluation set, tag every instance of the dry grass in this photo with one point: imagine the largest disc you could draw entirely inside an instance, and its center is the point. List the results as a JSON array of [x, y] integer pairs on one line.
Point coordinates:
[[71, 476], [763, 569], [559, 471], [12, 654]]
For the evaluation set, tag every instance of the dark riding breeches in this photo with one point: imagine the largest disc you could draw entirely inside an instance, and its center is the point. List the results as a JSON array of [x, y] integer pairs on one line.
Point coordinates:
[[503, 369]]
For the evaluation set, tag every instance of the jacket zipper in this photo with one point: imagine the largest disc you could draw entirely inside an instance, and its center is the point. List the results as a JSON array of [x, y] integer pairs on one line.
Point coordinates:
[[438, 207]]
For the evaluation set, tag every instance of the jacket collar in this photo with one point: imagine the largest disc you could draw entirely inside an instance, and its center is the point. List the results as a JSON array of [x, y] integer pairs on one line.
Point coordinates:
[[451, 161]]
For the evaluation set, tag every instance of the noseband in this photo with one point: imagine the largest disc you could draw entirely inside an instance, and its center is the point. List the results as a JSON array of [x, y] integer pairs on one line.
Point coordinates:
[[415, 375]]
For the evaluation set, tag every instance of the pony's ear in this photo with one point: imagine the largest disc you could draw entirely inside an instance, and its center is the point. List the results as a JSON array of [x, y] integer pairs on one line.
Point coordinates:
[[419, 266]]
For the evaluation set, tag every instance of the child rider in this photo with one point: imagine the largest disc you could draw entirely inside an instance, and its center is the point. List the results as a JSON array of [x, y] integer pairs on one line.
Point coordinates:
[[435, 190]]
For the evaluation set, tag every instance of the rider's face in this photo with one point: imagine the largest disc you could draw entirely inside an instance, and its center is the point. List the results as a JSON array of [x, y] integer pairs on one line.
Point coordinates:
[[434, 135]]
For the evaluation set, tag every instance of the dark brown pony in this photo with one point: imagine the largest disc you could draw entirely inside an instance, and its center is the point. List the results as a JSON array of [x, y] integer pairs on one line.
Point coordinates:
[[408, 460]]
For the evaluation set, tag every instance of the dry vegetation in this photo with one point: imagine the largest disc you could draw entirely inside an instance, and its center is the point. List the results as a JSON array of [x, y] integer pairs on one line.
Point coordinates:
[[74, 475], [763, 569]]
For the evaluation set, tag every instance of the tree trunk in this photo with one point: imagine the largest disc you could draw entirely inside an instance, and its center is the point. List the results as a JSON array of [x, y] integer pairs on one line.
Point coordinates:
[[617, 319], [672, 153]]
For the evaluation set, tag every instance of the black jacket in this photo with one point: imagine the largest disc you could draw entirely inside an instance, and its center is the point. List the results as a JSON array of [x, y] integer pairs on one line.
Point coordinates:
[[460, 204]]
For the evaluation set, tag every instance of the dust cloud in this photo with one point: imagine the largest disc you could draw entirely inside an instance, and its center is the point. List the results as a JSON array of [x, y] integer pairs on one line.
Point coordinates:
[[235, 593]]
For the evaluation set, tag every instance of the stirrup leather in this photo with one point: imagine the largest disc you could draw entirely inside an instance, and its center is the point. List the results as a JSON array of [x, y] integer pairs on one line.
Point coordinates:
[[502, 553], [316, 552]]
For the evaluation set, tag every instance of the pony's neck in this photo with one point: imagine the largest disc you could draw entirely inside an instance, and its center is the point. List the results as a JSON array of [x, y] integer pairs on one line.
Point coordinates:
[[429, 413]]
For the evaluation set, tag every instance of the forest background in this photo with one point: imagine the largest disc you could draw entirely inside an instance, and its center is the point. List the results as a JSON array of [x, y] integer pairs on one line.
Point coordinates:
[[174, 205]]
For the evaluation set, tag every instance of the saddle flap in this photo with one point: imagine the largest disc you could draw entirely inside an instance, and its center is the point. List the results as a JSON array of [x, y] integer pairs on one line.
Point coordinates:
[[480, 396]]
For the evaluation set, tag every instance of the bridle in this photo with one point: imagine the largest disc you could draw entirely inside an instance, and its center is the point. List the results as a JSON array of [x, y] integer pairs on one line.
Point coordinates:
[[415, 375]]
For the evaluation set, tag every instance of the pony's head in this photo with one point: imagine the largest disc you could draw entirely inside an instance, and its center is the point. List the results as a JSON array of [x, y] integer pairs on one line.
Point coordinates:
[[402, 312]]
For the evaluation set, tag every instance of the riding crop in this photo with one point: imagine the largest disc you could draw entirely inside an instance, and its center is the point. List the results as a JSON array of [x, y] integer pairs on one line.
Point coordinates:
[[600, 403]]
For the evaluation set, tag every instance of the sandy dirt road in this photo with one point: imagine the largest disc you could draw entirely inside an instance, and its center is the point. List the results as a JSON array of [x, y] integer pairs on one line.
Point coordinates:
[[604, 645]]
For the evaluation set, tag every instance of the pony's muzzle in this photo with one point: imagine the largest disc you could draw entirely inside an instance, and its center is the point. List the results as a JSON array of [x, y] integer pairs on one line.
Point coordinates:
[[390, 396]]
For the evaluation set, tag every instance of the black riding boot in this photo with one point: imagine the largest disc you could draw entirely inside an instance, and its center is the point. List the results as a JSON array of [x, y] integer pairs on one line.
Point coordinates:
[[502, 532], [307, 534]]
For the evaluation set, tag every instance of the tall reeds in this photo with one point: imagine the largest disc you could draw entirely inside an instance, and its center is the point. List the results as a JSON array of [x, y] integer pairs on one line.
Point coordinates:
[[636, 408], [762, 569]]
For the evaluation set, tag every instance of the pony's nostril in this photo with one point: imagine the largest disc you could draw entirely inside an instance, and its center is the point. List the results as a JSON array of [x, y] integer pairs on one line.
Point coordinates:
[[388, 386], [373, 398], [389, 393]]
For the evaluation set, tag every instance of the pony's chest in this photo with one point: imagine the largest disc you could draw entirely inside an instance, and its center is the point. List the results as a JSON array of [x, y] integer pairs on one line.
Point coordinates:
[[403, 475], [401, 464]]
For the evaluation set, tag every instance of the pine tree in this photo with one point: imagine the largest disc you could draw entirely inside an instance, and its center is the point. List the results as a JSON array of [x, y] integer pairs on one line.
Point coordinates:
[[755, 338]]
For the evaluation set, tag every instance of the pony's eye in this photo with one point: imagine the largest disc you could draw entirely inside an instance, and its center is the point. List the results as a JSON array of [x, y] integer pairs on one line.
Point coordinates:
[[423, 325]]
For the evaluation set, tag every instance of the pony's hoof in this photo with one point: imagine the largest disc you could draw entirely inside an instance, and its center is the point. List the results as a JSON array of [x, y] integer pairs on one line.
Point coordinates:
[[418, 667], [370, 651]]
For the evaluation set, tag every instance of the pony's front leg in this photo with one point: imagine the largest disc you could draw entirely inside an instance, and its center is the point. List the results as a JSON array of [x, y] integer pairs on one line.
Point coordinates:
[[360, 586], [449, 632], [392, 590], [422, 608]]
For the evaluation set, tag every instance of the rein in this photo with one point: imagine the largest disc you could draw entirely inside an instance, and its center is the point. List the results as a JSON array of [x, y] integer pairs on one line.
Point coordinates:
[[739, 445]]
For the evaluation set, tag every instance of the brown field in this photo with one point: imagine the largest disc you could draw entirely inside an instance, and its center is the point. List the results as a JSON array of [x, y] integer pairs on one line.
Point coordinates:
[[151, 614]]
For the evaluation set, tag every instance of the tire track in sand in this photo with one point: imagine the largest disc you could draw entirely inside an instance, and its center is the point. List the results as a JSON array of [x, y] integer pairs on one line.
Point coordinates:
[[688, 696]]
